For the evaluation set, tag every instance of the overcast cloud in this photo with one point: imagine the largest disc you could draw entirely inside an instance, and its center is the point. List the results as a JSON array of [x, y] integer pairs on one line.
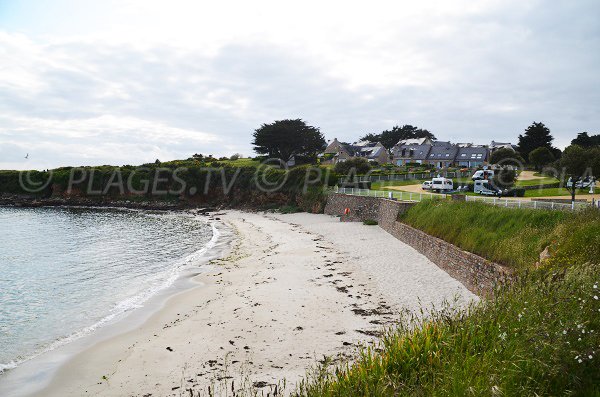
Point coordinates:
[[127, 82]]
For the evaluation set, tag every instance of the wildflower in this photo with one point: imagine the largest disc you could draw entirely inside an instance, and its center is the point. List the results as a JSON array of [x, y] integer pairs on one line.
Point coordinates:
[[564, 332], [596, 297], [580, 361], [595, 286], [590, 356]]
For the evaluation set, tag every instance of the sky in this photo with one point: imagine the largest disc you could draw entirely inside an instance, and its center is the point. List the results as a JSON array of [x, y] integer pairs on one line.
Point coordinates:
[[127, 82]]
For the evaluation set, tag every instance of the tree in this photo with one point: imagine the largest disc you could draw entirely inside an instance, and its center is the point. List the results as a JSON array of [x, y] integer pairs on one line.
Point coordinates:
[[285, 138], [389, 138], [506, 156], [585, 140], [575, 160], [540, 157], [354, 165], [504, 178], [536, 135]]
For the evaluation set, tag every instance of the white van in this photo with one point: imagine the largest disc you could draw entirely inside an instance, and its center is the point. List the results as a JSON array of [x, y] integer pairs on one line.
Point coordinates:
[[426, 185], [482, 175], [485, 187], [441, 184]]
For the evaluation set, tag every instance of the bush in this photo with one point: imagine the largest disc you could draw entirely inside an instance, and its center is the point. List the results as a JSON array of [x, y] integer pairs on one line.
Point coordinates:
[[353, 165], [370, 222]]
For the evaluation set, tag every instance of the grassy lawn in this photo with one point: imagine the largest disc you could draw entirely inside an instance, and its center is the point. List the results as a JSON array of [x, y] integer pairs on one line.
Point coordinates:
[[538, 335], [555, 192], [536, 182], [240, 162], [382, 185]]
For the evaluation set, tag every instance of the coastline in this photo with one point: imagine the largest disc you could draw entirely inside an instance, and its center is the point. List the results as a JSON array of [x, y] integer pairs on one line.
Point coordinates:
[[35, 371], [292, 289]]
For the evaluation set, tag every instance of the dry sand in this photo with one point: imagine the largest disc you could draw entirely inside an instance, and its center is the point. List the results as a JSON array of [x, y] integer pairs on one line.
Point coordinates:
[[293, 289]]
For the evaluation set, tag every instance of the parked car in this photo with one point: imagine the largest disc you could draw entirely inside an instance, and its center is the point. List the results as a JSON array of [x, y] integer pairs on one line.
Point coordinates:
[[426, 185], [441, 184], [485, 187], [482, 175]]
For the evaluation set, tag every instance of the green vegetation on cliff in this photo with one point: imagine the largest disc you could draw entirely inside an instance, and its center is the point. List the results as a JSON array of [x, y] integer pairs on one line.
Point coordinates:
[[511, 236], [187, 182]]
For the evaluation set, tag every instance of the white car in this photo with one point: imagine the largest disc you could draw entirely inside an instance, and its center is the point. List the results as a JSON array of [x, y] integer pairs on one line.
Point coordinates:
[[426, 185]]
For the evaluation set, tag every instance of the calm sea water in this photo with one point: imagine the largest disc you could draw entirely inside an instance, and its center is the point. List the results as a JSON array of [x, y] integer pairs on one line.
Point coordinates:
[[66, 272]]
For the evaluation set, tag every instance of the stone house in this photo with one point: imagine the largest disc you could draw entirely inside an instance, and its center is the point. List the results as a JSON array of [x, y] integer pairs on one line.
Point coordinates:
[[338, 152]]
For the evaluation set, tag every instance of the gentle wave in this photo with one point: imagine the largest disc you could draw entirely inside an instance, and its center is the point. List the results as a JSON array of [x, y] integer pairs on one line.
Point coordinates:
[[127, 305]]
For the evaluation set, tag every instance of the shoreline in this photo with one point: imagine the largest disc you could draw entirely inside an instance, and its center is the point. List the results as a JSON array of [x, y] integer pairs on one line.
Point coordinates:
[[292, 289], [37, 370]]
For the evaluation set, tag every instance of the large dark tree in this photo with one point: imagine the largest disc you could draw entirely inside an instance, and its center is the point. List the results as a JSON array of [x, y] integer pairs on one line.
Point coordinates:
[[541, 157], [585, 140], [285, 138], [536, 135], [389, 138]]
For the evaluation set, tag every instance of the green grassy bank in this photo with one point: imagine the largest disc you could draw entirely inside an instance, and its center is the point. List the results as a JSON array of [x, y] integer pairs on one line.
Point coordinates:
[[510, 236]]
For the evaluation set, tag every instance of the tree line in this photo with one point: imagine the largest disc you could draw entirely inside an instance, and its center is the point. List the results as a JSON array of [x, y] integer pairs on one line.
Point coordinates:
[[293, 138]]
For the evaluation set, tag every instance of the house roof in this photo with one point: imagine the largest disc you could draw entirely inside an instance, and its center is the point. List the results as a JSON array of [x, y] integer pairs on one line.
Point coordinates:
[[479, 153], [369, 150], [442, 151], [414, 141], [416, 152]]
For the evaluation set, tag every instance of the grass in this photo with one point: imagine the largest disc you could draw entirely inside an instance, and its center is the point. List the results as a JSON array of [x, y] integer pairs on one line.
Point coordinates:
[[536, 182], [537, 336], [382, 185], [510, 236], [552, 192]]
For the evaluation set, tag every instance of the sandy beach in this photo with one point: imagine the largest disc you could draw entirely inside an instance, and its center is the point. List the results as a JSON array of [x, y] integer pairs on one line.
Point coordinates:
[[292, 289]]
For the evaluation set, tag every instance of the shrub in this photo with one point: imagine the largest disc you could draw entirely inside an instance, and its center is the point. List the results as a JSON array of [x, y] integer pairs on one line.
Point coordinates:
[[370, 222], [353, 165]]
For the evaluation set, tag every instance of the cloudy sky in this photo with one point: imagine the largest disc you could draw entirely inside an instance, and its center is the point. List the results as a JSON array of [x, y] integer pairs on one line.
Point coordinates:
[[125, 82]]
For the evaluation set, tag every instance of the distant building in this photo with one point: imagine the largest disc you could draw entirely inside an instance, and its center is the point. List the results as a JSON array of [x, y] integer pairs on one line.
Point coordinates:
[[338, 152], [442, 154], [502, 145], [472, 156], [403, 154]]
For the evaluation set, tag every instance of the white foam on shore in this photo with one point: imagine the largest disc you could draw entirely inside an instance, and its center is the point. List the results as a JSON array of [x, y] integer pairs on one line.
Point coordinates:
[[129, 304]]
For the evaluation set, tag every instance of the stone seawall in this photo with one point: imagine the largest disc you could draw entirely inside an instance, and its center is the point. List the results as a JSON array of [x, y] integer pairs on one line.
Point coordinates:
[[476, 273]]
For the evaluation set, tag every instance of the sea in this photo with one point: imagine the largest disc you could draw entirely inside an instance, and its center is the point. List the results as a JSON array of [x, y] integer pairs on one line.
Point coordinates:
[[65, 273]]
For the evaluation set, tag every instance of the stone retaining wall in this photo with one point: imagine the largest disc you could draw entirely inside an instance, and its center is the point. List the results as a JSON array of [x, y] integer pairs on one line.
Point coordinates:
[[476, 273]]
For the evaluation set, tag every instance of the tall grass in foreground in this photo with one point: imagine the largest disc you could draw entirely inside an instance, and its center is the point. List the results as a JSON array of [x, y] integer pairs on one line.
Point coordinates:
[[537, 336], [511, 236]]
